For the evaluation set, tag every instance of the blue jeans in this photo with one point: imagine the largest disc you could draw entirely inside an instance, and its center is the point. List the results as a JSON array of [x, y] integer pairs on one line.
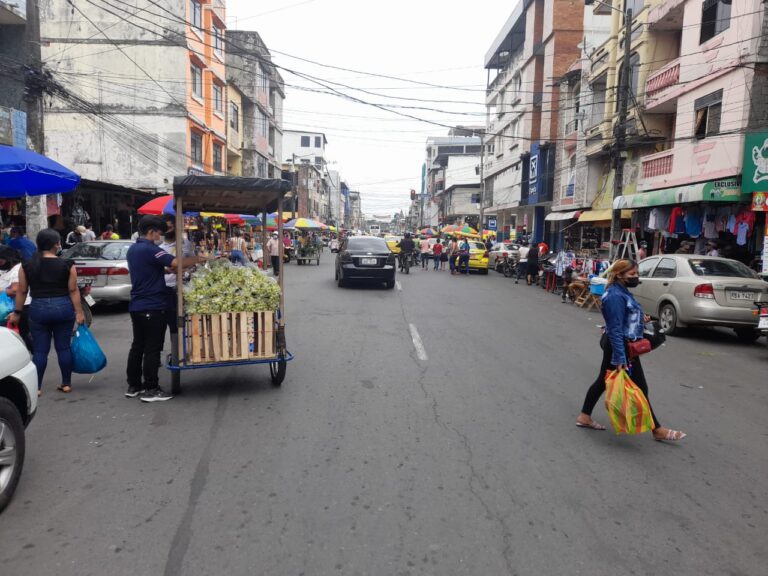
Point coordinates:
[[237, 257], [437, 261], [52, 319], [463, 267]]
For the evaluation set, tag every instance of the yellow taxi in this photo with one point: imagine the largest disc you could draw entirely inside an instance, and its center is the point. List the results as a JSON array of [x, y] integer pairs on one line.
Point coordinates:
[[392, 243], [478, 256]]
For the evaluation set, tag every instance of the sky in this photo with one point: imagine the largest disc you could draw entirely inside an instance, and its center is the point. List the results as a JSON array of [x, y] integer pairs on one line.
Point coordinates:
[[376, 151]]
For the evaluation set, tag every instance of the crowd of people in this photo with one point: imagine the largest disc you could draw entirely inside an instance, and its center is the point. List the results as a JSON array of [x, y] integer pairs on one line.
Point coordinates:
[[453, 250]]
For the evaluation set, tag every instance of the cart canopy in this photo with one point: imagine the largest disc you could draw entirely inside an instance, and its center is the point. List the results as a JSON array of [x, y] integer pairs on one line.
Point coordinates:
[[230, 194]]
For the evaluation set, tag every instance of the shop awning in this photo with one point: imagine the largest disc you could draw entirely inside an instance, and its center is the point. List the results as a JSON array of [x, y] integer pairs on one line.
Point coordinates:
[[601, 215], [555, 216], [714, 191]]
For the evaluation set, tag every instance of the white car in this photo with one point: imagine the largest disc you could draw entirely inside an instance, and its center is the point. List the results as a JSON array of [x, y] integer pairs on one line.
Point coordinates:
[[18, 403]]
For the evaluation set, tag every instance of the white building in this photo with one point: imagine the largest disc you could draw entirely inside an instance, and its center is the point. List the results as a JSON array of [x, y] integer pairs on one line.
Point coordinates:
[[305, 147]]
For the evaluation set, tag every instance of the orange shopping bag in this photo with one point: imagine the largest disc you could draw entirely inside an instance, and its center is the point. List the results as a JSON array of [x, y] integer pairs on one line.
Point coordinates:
[[627, 406]]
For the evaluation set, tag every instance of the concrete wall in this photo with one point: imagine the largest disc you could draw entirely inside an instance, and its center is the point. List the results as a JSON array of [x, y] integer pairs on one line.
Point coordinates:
[[12, 53], [461, 170], [139, 137], [292, 145]]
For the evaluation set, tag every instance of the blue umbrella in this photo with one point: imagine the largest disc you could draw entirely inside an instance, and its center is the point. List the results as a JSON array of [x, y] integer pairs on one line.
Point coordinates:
[[23, 172]]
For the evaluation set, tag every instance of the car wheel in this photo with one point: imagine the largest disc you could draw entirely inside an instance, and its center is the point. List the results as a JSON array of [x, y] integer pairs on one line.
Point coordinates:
[[747, 334], [668, 318], [390, 284], [11, 450], [484, 271]]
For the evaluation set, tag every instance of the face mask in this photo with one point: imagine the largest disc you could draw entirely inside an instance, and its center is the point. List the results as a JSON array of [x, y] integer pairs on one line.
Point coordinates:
[[632, 282]]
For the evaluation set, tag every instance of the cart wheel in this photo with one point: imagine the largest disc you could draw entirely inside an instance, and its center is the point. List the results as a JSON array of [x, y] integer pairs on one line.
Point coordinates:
[[277, 372], [175, 382]]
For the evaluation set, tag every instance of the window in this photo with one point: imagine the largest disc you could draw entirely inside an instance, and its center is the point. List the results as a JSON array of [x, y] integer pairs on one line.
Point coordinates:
[[715, 18], [318, 161], [708, 110], [262, 81], [196, 14], [218, 39], [634, 5], [261, 167], [234, 116], [305, 141], [724, 268], [197, 80], [598, 102], [318, 142], [218, 97], [261, 124], [197, 148], [218, 156], [634, 78], [646, 266], [667, 268]]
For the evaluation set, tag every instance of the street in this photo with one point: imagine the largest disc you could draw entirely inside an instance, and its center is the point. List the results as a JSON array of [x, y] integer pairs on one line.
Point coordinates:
[[427, 429]]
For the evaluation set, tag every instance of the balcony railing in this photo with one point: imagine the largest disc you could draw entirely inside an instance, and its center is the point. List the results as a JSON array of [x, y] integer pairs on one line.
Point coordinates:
[[664, 78], [572, 126], [658, 166]]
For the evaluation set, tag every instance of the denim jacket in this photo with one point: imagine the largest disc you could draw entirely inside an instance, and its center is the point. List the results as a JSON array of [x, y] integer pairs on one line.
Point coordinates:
[[623, 320]]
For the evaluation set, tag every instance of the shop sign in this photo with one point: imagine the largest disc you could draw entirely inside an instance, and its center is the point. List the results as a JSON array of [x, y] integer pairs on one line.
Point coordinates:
[[534, 180], [755, 173], [758, 202], [491, 224], [726, 190]]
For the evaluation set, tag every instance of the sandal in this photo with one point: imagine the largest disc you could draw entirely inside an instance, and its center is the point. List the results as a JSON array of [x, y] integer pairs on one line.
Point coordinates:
[[592, 425], [66, 388], [671, 436]]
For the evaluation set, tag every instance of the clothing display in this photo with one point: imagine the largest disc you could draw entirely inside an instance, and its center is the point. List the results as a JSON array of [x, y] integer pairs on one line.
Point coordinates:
[[677, 221], [741, 233], [693, 221]]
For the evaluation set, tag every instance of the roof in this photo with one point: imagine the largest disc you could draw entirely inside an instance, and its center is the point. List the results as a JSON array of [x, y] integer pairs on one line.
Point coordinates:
[[229, 194], [511, 36]]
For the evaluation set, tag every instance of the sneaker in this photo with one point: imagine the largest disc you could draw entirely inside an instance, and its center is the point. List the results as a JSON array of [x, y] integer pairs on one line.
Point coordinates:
[[155, 395], [133, 392]]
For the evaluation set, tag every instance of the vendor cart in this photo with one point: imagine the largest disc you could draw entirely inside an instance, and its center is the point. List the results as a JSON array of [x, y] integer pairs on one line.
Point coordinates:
[[234, 338], [305, 254]]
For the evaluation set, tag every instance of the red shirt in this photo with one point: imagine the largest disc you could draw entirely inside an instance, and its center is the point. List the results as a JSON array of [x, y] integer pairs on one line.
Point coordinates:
[[437, 249]]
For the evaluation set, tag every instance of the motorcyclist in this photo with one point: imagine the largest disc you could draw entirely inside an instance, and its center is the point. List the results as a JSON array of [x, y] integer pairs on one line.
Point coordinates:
[[407, 246]]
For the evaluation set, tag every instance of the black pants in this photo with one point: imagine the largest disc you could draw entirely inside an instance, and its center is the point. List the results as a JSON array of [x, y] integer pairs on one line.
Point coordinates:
[[148, 340], [275, 264], [598, 387]]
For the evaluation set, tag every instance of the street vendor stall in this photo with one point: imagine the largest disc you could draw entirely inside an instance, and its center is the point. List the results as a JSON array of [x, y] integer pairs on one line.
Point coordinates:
[[307, 250], [234, 329]]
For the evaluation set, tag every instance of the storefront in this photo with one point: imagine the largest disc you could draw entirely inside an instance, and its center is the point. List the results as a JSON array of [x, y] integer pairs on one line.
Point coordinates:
[[755, 183]]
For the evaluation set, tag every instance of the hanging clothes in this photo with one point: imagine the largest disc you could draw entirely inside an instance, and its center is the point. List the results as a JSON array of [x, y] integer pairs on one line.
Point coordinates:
[[742, 231], [709, 230], [693, 221], [677, 221]]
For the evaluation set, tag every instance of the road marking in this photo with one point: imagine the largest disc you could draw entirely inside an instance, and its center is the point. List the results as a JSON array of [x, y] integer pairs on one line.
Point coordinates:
[[398, 285], [421, 353]]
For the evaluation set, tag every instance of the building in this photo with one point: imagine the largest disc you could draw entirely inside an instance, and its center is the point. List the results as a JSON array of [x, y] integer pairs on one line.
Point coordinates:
[[356, 211], [305, 148], [537, 44], [235, 128], [335, 201], [452, 159], [259, 106]]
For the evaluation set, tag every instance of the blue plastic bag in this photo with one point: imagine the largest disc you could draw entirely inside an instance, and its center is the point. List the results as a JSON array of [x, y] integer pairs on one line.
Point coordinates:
[[6, 306], [87, 356]]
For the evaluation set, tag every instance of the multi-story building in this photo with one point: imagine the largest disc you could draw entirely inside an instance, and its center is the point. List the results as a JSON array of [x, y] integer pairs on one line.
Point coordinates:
[[356, 211], [335, 201], [537, 44], [305, 147], [262, 91], [13, 24], [235, 128]]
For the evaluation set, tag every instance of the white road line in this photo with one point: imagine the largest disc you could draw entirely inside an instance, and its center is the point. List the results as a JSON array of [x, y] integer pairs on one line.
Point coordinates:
[[398, 285], [421, 353]]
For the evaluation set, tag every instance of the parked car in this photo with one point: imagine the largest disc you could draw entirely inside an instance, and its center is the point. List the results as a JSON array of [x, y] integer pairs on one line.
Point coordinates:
[[365, 258], [689, 290], [497, 252], [104, 263], [18, 403], [478, 257]]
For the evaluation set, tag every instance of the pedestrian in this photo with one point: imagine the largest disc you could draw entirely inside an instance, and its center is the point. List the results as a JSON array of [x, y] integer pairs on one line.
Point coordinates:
[[10, 267], [642, 252], [437, 253], [55, 306], [20, 242], [522, 260], [463, 267], [488, 243], [424, 249], [624, 321], [712, 248], [273, 247], [147, 264], [532, 268], [75, 237], [109, 233], [453, 253], [89, 235], [237, 247]]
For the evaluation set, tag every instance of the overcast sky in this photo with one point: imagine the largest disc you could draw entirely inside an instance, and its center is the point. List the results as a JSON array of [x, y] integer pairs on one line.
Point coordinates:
[[376, 151]]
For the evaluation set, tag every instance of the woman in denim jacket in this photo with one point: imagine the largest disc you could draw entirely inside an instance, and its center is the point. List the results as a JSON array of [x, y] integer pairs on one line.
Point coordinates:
[[624, 320]]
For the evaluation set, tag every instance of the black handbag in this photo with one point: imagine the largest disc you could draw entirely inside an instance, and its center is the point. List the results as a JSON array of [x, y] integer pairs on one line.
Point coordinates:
[[653, 332]]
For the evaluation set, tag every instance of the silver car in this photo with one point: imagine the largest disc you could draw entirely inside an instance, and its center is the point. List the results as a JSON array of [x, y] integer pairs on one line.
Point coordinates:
[[497, 252], [689, 290], [104, 263]]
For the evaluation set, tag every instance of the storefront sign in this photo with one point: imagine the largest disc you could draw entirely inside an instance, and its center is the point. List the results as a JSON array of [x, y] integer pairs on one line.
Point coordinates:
[[727, 190], [533, 175], [755, 162], [759, 202], [491, 224]]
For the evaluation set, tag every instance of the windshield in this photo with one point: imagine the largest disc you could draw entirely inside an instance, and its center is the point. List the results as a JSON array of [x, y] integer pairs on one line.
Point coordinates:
[[98, 251], [725, 268], [367, 244]]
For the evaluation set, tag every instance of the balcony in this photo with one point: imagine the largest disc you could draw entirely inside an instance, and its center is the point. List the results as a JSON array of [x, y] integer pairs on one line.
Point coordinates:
[[659, 165], [660, 88], [667, 15], [571, 134]]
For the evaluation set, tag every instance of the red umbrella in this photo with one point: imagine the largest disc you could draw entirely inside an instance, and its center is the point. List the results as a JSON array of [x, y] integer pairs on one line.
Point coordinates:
[[156, 206]]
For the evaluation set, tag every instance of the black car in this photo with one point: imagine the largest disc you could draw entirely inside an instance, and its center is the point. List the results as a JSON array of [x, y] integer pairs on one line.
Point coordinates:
[[365, 258]]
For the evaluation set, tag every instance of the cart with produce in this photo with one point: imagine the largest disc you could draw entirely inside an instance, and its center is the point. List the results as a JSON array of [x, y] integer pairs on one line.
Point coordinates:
[[307, 252], [229, 315]]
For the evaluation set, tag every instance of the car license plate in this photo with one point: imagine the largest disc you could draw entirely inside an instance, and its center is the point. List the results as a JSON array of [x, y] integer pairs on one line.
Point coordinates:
[[85, 280], [734, 295], [368, 261], [89, 299], [763, 324]]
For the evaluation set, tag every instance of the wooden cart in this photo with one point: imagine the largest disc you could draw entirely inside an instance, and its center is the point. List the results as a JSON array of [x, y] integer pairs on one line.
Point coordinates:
[[231, 338]]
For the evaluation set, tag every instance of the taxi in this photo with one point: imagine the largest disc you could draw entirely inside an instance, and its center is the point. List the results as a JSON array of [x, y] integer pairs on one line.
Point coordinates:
[[392, 242], [478, 257]]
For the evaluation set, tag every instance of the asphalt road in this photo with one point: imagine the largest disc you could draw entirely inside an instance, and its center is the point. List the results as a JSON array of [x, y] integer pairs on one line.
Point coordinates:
[[380, 457]]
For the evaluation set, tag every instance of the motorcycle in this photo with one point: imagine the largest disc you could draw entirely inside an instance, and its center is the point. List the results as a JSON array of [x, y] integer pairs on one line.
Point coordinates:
[[406, 261], [508, 265], [86, 300], [761, 310]]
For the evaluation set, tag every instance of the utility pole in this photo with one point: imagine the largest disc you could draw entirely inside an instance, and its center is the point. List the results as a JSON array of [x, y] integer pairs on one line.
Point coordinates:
[[481, 224], [36, 206], [621, 133]]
